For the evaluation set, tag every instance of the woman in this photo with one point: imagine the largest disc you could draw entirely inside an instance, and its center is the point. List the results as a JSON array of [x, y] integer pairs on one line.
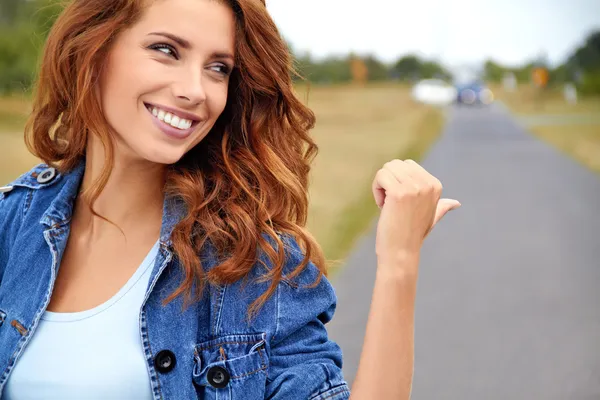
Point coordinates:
[[160, 253]]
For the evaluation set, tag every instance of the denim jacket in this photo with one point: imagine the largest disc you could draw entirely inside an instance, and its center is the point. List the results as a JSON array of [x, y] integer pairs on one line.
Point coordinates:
[[209, 350]]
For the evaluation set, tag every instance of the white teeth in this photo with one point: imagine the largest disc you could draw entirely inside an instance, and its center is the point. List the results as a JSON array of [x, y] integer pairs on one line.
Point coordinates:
[[173, 120], [183, 124]]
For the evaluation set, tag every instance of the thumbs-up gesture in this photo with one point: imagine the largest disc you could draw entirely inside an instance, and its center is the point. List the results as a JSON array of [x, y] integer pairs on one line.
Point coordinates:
[[409, 199]]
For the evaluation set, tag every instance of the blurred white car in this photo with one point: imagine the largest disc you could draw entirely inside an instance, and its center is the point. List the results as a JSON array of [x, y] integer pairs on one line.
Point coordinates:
[[434, 91]]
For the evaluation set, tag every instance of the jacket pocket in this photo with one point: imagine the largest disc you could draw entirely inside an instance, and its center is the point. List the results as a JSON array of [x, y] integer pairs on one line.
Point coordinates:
[[231, 367]]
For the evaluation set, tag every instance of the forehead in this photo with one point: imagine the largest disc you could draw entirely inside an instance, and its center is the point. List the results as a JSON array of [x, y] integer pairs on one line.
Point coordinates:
[[201, 22]]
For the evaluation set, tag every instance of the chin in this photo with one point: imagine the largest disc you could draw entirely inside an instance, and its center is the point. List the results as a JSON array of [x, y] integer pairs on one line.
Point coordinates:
[[162, 156]]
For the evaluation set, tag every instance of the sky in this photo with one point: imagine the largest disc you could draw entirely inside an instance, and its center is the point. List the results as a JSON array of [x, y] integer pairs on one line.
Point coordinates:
[[455, 32]]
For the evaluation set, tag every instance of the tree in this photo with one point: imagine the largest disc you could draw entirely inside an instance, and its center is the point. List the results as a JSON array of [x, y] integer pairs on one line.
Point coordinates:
[[411, 68], [407, 68], [24, 26], [493, 71], [377, 70], [582, 67], [9, 10]]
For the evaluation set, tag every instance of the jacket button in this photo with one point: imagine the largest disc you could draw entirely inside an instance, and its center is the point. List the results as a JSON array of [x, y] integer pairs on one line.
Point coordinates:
[[46, 175], [164, 361], [218, 377]]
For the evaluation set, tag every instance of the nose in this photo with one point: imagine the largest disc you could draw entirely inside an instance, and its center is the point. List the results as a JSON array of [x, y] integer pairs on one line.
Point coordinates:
[[189, 89]]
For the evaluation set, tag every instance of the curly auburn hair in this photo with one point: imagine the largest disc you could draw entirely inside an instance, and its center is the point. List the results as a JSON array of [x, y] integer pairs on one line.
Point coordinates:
[[244, 185]]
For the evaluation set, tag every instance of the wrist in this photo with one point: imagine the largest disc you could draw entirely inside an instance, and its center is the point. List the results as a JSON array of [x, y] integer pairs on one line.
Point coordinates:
[[403, 267]]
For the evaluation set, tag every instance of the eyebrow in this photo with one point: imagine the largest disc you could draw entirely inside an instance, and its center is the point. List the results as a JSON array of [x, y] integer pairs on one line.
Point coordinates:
[[187, 45], [179, 40]]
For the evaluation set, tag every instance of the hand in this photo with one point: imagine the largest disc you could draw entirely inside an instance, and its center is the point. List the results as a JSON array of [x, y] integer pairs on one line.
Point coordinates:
[[409, 199]]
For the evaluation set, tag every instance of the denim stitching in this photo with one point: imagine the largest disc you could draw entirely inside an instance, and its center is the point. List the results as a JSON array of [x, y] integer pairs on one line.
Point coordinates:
[[27, 202], [220, 310], [217, 309], [19, 327], [204, 347], [278, 290], [332, 393], [249, 373]]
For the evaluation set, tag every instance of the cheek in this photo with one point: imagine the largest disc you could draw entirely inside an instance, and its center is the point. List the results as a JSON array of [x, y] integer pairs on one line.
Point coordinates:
[[121, 85], [115, 91]]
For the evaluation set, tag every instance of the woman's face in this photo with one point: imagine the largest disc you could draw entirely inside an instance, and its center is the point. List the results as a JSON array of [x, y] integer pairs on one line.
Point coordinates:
[[165, 80]]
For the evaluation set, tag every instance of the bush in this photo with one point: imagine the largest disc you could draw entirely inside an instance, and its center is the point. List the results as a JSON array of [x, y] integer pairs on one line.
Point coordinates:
[[590, 83], [21, 42]]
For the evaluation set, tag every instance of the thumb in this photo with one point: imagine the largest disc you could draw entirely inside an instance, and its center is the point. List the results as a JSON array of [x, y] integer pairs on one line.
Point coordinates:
[[443, 206]]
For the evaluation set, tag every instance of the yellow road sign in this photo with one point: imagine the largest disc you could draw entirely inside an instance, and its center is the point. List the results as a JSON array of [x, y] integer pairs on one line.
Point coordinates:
[[540, 76]]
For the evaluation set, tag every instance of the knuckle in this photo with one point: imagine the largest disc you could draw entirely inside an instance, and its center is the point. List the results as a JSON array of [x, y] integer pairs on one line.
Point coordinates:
[[396, 194], [416, 189], [394, 162], [438, 184]]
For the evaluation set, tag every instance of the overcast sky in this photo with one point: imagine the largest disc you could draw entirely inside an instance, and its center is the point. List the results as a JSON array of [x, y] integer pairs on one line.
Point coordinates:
[[453, 31]]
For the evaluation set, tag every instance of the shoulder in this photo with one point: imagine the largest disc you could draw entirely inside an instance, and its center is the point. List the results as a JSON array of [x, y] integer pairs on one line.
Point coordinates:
[[34, 190], [38, 177], [17, 198], [19, 190], [294, 273], [304, 294]]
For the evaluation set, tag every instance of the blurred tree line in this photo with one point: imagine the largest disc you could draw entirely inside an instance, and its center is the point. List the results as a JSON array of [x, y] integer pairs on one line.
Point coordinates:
[[360, 68], [24, 25], [581, 68]]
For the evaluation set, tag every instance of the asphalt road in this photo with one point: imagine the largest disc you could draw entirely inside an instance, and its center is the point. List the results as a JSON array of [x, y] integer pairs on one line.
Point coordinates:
[[508, 302]]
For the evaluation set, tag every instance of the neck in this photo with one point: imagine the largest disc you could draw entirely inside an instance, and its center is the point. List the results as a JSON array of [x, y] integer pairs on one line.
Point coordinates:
[[132, 198]]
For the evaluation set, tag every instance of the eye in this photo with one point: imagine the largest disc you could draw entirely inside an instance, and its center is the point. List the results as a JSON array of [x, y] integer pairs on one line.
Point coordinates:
[[223, 69], [165, 48]]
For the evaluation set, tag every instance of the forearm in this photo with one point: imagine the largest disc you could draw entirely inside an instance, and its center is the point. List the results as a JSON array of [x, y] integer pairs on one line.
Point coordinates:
[[386, 365]]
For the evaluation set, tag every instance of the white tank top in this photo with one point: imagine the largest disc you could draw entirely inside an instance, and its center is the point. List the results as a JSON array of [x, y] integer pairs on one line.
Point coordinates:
[[93, 354]]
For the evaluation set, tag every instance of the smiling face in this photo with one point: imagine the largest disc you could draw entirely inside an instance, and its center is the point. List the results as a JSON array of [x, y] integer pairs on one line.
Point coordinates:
[[165, 80]]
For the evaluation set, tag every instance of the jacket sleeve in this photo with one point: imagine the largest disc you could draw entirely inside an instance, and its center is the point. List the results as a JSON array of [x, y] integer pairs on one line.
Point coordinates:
[[304, 362]]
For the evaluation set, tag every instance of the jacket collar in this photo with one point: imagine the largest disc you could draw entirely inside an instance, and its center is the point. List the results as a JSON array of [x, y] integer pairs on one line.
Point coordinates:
[[61, 208]]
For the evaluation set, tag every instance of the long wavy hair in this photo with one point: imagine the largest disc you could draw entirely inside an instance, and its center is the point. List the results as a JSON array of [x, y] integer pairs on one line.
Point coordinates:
[[245, 185]]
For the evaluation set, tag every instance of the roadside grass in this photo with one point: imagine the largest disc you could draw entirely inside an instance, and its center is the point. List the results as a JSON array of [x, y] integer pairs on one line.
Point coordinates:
[[529, 100], [14, 157], [358, 129], [580, 141]]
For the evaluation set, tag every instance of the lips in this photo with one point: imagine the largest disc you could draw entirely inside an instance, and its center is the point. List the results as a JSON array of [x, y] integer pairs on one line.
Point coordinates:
[[174, 123]]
